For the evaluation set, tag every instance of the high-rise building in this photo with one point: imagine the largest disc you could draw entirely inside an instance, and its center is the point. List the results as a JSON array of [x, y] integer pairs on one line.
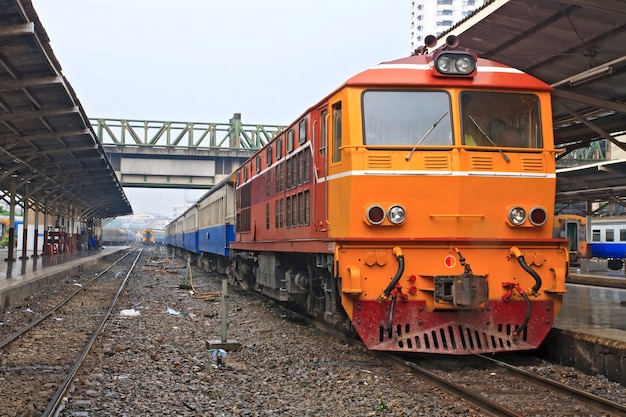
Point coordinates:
[[433, 17]]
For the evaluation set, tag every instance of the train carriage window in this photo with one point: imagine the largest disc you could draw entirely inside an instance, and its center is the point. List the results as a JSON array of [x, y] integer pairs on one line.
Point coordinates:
[[268, 156], [622, 235], [336, 157], [407, 118], [302, 131], [609, 235], [258, 163], [595, 235], [279, 148], [500, 119], [323, 132], [290, 140]]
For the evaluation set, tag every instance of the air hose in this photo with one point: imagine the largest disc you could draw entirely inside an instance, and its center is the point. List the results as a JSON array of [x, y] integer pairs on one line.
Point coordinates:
[[398, 253], [520, 258]]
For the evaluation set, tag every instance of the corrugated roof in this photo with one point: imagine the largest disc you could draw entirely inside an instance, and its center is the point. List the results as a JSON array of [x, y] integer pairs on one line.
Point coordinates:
[[578, 47], [47, 146]]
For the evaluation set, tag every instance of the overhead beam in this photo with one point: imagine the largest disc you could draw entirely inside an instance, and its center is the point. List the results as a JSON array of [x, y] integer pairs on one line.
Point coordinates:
[[29, 82], [35, 114], [17, 29], [612, 6], [45, 136], [604, 134], [593, 101]]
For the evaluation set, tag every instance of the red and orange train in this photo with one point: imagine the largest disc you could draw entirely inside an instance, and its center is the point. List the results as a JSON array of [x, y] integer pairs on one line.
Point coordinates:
[[413, 205]]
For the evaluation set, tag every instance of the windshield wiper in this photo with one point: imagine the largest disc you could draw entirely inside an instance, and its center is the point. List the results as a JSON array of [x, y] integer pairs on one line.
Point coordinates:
[[424, 137], [506, 158]]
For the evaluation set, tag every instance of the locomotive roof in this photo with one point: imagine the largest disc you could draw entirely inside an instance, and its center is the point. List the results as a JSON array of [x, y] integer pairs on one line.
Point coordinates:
[[417, 70]]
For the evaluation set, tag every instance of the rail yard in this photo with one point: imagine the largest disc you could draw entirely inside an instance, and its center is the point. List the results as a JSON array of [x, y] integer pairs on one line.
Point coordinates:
[[156, 361]]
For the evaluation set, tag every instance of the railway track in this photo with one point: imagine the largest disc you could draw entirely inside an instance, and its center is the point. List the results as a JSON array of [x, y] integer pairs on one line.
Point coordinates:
[[495, 387], [502, 389], [38, 362]]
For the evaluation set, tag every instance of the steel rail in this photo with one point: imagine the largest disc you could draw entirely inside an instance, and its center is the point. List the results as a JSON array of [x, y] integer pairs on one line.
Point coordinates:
[[582, 396], [47, 314], [54, 404], [480, 401]]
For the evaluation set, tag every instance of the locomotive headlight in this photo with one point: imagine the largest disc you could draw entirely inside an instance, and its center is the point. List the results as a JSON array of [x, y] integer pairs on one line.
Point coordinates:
[[517, 216], [396, 214], [455, 63], [464, 65], [444, 64]]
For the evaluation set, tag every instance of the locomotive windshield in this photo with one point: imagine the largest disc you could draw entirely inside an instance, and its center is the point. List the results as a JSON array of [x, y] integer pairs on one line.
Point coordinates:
[[500, 119], [407, 118]]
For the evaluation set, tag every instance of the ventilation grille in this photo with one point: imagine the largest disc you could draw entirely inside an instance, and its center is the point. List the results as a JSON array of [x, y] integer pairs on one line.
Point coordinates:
[[452, 338], [532, 164], [481, 162], [379, 161], [436, 162]]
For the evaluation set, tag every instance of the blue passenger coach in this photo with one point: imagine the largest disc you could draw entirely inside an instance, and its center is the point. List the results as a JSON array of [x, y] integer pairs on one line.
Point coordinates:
[[206, 229], [608, 237]]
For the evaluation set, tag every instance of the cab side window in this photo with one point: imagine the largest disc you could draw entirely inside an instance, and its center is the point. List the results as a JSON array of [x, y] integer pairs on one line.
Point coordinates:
[[336, 157]]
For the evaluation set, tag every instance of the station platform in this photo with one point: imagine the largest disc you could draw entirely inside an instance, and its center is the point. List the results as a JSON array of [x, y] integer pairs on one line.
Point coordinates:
[[22, 277], [589, 332]]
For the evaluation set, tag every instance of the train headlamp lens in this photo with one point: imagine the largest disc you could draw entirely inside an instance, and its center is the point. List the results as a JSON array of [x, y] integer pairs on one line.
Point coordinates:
[[455, 63], [396, 214], [517, 216], [464, 65], [375, 214], [444, 64]]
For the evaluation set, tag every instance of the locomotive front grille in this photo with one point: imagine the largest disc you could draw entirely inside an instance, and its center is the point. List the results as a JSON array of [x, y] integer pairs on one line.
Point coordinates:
[[451, 338]]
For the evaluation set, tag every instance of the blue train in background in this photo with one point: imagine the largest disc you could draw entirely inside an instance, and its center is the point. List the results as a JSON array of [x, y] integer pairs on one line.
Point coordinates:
[[606, 238], [206, 229]]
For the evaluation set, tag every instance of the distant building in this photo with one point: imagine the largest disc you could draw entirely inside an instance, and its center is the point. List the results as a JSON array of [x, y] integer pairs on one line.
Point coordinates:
[[433, 17]]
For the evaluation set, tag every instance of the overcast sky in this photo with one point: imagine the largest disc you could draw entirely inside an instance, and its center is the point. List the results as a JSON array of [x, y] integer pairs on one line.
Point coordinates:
[[204, 60]]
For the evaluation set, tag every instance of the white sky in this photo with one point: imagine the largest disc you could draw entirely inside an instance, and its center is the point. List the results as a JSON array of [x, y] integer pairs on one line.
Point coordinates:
[[204, 60]]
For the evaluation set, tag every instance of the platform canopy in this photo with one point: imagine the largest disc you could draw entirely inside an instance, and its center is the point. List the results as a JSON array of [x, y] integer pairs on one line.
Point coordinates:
[[48, 150], [579, 48]]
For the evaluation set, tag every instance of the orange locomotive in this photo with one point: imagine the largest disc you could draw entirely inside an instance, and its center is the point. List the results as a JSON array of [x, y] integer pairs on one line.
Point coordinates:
[[413, 205]]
